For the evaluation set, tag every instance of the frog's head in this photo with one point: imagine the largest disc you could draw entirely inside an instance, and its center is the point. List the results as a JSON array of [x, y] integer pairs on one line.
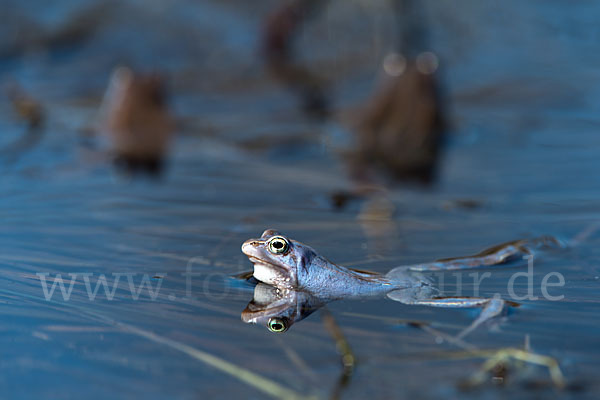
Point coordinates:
[[277, 259]]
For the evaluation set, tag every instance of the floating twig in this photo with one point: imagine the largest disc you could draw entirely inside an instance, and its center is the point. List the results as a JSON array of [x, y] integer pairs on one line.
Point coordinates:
[[499, 360]]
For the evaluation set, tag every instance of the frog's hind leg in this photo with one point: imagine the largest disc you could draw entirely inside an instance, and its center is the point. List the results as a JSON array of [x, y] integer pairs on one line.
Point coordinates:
[[490, 308], [501, 254]]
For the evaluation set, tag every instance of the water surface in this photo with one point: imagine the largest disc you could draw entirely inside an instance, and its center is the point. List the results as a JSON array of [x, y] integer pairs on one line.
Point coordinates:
[[522, 84]]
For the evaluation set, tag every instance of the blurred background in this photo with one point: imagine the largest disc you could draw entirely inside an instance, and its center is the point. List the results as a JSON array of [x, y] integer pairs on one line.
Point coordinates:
[[154, 137]]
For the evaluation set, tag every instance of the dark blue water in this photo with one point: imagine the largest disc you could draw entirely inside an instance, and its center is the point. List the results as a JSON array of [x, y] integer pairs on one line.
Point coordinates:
[[522, 82]]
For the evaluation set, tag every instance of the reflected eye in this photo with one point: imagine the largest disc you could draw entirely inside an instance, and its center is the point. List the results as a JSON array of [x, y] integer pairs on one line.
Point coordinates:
[[277, 325], [278, 245]]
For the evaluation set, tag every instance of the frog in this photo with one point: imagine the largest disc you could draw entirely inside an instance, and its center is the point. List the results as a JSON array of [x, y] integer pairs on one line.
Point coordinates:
[[298, 274]]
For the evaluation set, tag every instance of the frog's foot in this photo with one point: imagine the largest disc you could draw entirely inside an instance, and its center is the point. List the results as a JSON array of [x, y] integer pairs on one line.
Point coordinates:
[[491, 308]]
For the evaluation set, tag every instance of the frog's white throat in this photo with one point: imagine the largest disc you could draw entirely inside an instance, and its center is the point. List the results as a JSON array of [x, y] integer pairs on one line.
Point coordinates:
[[271, 275]]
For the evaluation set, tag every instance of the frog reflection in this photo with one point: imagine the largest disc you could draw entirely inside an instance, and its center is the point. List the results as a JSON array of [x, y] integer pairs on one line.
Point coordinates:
[[279, 309]]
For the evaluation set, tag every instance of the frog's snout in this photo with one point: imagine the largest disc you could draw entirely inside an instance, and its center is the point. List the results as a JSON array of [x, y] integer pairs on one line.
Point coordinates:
[[250, 247]]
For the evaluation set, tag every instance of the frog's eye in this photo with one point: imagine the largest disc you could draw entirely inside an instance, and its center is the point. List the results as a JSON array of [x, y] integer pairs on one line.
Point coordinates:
[[278, 245], [277, 325]]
